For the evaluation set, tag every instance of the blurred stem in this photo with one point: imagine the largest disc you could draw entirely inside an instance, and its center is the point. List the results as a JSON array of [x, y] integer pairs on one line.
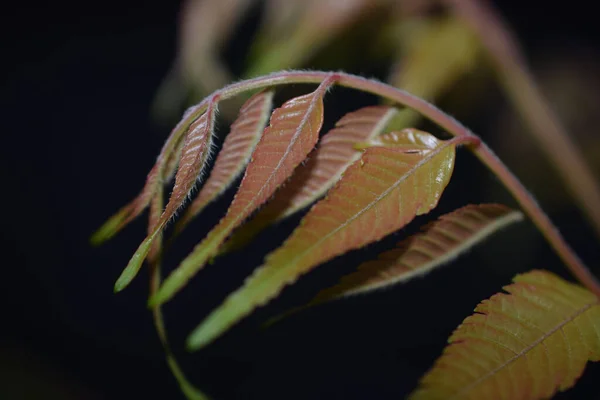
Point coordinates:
[[523, 91], [154, 260]]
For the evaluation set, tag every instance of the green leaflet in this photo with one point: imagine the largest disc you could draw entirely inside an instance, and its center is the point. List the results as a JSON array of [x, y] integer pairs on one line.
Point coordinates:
[[527, 343]]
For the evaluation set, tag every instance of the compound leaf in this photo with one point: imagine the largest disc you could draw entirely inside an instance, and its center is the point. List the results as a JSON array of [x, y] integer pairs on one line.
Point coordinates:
[[291, 135], [324, 168], [400, 175]]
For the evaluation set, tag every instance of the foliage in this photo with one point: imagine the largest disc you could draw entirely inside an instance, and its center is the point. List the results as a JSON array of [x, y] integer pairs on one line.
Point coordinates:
[[371, 182], [523, 345], [437, 244], [428, 53], [366, 178], [399, 176]]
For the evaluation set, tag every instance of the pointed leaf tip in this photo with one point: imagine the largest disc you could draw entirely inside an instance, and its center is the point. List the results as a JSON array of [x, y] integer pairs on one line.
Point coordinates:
[[110, 227], [134, 264], [201, 338], [166, 291]]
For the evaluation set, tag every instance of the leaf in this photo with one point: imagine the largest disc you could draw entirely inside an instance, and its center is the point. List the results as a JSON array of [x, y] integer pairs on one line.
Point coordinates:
[[401, 175], [235, 154], [204, 28], [519, 83], [292, 133], [173, 161], [440, 242], [293, 33], [526, 344], [160, 173], [323, 169], [432, 43], [448, 42], [193, 159]]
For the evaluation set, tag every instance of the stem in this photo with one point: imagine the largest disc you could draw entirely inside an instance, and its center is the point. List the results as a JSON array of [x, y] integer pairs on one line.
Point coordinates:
[[521, 87], [538, 216], [154, 260], [512, 184]]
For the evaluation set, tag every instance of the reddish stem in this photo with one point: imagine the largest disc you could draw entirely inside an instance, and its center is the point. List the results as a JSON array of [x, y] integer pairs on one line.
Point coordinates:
[[428, 110], [522, 89]]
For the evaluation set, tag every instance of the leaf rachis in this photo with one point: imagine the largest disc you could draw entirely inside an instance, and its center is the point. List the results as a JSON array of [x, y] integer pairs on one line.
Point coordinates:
[[376, 186]]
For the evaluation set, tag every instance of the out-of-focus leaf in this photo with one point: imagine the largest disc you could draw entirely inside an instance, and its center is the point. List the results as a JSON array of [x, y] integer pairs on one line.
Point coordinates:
[[204, 28], [400, 175], [235, 154], [440, 242], [311, 24], [323, 169], [527, 344], [522, 88], [194, 155], [291, 135], [280, 16], [436, 53]]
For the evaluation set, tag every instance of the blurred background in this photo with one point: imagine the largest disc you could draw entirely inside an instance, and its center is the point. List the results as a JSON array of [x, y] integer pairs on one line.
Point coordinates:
[[89, 93]]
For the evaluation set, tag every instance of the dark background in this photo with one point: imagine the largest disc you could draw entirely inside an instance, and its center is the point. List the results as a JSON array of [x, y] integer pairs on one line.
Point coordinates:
[[77, 85]]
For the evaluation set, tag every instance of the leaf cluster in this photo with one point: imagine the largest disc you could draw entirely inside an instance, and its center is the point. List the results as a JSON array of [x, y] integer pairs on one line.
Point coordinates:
[[361, 181], [366, 178]]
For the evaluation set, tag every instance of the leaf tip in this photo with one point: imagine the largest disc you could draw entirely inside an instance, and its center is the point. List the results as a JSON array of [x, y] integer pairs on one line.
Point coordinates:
[[200, 337], [167, 290], [215, 325], [128, 274], [105, 232], [156, 300], [98, 238], [134, 265], [110, 227], [121, 283]]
